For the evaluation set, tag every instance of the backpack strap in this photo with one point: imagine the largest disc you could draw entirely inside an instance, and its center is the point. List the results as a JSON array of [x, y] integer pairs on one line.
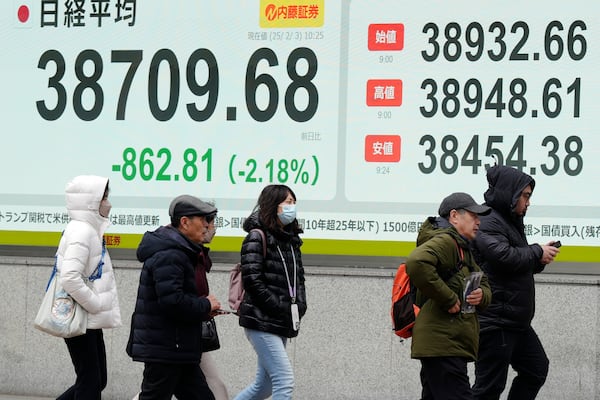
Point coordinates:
[[461, 259], [264, 241], [461, 255]]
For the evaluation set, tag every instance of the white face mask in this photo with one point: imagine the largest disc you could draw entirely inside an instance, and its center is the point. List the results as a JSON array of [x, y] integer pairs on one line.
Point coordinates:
[[288, 214], [105, 207], [210, 234]]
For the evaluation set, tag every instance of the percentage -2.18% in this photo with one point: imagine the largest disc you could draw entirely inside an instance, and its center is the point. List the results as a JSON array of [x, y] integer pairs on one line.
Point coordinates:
[[297, 171]]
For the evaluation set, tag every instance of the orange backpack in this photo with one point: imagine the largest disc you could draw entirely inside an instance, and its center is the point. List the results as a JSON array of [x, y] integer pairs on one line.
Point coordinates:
[[405, 309]]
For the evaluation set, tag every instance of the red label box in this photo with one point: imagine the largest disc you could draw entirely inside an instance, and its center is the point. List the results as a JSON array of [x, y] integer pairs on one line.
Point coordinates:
[[386, 37], [382, 148], [384, 92]]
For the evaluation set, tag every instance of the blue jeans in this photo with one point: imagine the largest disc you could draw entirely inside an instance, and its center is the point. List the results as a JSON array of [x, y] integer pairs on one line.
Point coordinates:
[[274, 374]]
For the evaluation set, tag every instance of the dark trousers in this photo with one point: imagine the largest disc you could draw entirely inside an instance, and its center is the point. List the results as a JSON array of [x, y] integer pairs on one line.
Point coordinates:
[[445, 378], [523, 351], [184, 381], [88, 355]]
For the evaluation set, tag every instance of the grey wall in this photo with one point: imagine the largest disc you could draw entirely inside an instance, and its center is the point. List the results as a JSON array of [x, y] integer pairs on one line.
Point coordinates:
[[345, 349]]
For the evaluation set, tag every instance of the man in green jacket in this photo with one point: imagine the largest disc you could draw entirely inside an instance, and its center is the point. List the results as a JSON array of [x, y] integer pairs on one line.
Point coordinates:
[[445, 337]]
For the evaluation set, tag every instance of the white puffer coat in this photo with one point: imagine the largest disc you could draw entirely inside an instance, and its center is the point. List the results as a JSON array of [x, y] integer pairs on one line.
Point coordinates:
[[80, 251]]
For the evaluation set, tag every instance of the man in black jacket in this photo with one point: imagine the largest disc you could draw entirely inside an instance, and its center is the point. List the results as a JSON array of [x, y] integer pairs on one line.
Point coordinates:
[[166, 324], [501, 249]]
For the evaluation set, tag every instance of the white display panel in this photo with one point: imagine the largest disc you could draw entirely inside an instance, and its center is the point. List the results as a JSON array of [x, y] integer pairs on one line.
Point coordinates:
[[513, 83], [371, 111], [190, 95]]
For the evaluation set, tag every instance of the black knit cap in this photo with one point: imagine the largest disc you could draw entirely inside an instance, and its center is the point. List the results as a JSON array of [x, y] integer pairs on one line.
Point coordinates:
[[187, 206], [461, 201]]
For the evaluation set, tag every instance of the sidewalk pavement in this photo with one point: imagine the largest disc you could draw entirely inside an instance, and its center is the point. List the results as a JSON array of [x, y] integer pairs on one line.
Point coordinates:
[[14, 397]]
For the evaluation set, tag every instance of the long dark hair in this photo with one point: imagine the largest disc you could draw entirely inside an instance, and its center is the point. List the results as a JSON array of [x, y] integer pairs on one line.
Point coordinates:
[[268, 201]]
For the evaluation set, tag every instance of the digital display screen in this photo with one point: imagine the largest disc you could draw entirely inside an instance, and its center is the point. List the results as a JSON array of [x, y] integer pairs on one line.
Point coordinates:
[[372, 112]]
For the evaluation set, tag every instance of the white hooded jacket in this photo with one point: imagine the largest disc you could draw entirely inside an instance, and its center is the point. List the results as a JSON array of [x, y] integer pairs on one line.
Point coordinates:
[[80, 251]]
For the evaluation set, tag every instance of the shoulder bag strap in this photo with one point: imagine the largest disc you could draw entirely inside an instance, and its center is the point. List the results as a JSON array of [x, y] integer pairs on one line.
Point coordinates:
[[97, 274], [264, 241]]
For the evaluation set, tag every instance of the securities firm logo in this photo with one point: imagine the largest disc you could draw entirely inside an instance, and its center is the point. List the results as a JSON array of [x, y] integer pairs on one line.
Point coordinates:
[[292, 13]]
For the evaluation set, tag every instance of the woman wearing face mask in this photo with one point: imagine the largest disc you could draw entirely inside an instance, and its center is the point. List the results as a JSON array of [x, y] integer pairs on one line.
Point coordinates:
[[275, 297], [82, 254]]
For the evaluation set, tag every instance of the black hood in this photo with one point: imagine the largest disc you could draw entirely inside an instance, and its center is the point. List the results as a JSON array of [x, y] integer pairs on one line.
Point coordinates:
[[252, 222], [505, 187]]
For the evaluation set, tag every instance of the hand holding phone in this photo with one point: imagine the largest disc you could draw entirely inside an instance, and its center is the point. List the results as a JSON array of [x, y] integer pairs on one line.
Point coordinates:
[[557, 244]]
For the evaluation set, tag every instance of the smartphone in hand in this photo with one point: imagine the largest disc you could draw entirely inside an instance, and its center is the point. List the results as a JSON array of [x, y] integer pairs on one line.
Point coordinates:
[[557, 244]]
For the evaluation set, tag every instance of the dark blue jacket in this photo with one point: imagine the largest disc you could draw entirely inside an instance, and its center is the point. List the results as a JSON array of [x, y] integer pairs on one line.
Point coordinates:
[[166, 323]]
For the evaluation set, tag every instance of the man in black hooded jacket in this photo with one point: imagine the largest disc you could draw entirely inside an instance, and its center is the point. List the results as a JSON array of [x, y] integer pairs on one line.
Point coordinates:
[[501, 249]]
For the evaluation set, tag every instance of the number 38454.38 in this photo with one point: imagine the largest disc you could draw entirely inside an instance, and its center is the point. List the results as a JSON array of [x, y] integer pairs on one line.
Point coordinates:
[[447, 155]]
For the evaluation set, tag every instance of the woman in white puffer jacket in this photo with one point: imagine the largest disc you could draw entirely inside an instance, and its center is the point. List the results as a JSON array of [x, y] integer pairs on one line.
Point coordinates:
[[81, 254]]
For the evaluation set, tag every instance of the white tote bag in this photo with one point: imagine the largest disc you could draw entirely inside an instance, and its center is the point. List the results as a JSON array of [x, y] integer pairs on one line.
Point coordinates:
[[60, 315]]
